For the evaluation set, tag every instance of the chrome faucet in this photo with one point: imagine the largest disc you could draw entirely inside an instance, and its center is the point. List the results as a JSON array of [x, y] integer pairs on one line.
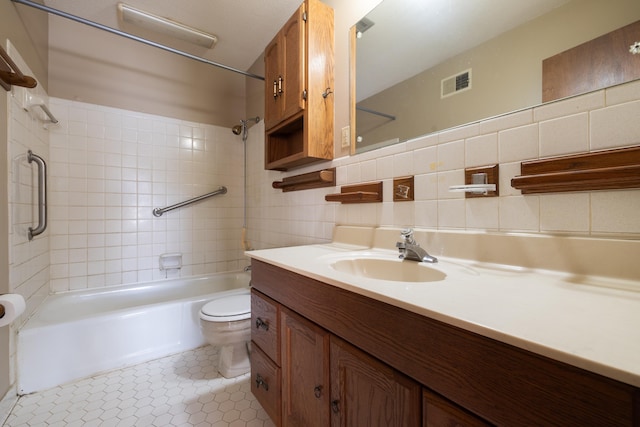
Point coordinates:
[[411, 250]]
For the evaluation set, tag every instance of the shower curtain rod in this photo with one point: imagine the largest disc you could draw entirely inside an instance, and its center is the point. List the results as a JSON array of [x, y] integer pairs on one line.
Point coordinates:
[[132, 37]]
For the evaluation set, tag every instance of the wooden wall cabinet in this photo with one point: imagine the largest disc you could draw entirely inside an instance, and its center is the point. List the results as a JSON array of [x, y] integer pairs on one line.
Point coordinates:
[[299, 86], [385, 366]]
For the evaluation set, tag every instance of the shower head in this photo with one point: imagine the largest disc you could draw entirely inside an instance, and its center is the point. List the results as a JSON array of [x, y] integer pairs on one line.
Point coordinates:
[[238, 129]]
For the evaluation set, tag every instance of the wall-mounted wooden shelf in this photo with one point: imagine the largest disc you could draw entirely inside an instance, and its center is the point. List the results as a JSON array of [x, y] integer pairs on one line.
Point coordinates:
[[317, 179], [10, 74], [603, 170], [358, 193]]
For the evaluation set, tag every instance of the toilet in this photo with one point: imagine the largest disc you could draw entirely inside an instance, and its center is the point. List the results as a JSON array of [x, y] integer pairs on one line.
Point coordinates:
[[226, 323]]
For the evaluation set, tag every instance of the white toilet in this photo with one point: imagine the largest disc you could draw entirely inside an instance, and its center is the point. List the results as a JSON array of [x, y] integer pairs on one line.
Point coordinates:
[[226, 323]]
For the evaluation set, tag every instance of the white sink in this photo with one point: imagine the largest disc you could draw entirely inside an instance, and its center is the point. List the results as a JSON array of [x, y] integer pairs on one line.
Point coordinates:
[[386, 269]]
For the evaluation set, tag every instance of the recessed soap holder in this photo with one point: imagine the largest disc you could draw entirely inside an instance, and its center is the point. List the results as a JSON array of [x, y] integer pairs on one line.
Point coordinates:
[[479, 182], [170, 261]]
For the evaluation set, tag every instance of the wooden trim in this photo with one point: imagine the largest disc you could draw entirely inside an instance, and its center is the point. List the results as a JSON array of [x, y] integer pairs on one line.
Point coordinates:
[[317, 179], [603, 170], [358, 193], [493, 177], [403, 189]]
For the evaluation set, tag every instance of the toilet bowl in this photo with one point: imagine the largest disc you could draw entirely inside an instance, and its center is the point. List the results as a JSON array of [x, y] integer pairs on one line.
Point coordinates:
[[226, 323]]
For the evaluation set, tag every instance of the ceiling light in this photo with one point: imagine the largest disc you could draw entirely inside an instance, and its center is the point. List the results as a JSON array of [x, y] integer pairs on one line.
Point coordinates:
[[165, 26]]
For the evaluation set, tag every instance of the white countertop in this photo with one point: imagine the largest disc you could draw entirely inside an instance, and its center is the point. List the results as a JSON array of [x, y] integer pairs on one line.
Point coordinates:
[[593, 324]]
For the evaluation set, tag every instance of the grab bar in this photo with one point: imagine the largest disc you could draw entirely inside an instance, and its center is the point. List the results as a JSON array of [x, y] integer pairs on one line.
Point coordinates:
[[42, 195], [159, 211]]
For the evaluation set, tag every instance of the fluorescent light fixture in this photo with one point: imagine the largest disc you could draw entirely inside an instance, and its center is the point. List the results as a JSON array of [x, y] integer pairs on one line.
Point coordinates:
[[165, 26]]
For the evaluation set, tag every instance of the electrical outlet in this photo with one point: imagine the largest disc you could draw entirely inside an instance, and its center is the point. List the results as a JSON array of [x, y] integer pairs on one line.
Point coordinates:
[[346, 137]]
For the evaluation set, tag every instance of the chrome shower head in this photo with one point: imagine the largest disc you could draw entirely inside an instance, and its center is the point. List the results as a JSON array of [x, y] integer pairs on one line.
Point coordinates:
[[239, 129]]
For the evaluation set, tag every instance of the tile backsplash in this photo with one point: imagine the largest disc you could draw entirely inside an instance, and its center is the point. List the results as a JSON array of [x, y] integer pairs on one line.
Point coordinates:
[[601, 120]]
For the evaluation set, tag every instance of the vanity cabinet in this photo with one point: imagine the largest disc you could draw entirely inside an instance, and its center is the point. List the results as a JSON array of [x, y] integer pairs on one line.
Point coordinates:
[[299, 85], [389, 366]]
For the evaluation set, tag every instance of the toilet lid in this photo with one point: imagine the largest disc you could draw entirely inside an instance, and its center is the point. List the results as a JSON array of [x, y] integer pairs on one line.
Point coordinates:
[[232, 307]]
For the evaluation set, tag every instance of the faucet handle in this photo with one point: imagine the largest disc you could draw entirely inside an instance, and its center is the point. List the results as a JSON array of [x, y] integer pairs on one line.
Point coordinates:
[[407, 236]]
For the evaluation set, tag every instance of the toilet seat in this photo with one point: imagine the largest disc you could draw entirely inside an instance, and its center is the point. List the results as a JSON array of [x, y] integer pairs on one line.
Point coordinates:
[[227, 309]]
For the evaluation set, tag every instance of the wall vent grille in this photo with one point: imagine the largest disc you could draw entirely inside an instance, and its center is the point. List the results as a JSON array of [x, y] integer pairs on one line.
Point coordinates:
[[455, 84]]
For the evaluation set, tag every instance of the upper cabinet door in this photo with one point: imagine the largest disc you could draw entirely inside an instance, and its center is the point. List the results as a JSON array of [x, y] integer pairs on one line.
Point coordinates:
[[285, 71]]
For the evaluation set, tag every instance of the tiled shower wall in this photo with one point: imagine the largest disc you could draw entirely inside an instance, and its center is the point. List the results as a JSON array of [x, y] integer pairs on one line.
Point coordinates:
[[28, 260], [110, 168], [601, 120]]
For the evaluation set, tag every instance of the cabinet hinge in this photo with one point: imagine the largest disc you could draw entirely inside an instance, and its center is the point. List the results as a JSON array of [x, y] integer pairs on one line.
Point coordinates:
[[304, 94], [304, 16]]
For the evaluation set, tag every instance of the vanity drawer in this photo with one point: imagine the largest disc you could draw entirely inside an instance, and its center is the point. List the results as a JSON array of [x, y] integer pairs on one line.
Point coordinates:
[[265, 320], [266, 383]]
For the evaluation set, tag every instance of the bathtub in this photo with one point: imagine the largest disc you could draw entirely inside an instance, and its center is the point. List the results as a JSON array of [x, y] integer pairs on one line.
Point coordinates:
[[80, 333]]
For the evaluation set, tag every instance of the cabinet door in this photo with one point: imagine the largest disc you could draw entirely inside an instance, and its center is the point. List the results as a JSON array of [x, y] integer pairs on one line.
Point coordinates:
[[285, 71], [439, 412], [293, 64], [366, 392], [305, 372], [272, 110]]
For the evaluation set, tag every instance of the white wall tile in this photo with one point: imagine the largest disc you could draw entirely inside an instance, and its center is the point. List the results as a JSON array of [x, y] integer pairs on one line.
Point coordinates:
[[615, 211], [564, 135], [615, 126]]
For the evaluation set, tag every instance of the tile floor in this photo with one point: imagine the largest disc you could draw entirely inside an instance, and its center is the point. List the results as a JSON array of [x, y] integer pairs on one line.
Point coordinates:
[[179, 390]]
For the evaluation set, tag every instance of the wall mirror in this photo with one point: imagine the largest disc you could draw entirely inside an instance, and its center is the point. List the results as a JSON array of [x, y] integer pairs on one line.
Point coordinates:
[[420, 67]]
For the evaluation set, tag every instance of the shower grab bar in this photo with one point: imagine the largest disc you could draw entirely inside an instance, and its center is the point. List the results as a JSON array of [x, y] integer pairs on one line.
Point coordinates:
[[157, 212], [42, 195], [132, 37]]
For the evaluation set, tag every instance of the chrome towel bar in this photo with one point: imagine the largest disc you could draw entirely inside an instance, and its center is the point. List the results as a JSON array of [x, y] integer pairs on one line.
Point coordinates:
[[42, 195], [159, 211]]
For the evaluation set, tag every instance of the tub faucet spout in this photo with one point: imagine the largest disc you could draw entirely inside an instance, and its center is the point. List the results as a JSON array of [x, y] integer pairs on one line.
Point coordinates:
[[411, 250]]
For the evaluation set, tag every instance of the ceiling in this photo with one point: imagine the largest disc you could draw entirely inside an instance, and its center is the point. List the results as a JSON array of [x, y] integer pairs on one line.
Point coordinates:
[[243, 27]]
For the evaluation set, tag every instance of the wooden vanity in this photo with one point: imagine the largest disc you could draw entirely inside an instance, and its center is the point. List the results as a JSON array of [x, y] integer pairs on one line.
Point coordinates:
[[323, 355]]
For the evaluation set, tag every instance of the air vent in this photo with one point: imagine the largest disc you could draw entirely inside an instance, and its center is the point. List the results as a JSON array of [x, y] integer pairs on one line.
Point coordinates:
[[455, 84]]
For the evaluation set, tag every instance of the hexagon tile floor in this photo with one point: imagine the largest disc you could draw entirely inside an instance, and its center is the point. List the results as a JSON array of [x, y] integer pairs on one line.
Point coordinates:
[[179, 390]]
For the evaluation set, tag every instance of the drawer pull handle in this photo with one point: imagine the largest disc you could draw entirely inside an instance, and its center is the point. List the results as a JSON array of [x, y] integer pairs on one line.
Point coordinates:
[[261, 382], [280, 80], [335, 406], [317, 391], [275, 89], [262, 324]]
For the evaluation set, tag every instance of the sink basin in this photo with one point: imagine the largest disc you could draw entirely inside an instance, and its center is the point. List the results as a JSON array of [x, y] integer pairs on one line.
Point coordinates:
[[389, 269]]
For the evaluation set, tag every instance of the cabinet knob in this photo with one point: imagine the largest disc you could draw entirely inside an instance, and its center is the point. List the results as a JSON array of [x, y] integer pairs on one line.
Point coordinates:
[[317, 391], [261, 324], [335, 406], [260, 382]]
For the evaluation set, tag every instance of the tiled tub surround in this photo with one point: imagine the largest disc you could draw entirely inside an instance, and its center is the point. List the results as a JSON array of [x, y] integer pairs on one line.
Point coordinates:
[[541, 294], [111, 167], [601, 120]]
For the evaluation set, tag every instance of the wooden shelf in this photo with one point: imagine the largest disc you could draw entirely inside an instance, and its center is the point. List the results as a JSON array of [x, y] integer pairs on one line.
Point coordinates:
[[358, 193], [603, 170], [317, 179]]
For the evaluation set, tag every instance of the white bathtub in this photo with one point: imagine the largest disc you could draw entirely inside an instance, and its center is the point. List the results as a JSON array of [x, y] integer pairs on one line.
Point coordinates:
[[80, 333]]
